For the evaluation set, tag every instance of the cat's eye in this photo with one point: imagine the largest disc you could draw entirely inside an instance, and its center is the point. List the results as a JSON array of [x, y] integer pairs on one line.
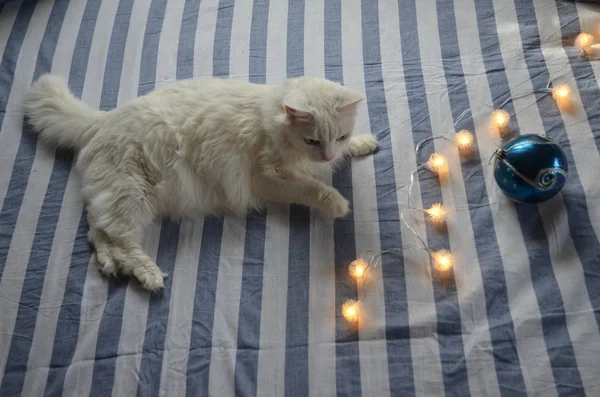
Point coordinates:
[[342, 138], [310, 141]]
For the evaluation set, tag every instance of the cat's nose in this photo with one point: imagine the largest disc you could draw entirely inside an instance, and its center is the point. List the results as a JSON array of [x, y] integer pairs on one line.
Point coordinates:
[[326, 157]]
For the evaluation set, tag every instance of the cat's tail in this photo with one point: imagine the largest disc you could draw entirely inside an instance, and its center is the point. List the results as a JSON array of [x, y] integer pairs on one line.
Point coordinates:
[[59, 117]]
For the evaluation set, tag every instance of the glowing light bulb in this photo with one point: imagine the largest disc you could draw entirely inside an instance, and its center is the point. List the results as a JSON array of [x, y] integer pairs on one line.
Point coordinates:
[[350, 310], [437, 162], [500, 117], [437, 213], [358, 268], [561, 92], [464, 139], [562, 95], [500, 120], [442, 260], [583, 41]]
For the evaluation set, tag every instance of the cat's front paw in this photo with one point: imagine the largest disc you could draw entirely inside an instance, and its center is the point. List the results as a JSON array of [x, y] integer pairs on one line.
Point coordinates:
[[333, 203], [362, 145]]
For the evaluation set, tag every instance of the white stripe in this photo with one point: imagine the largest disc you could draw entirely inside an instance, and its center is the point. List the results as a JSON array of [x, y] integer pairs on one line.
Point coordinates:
[[229, 284], [565, 261], [181, 310], [135, 311], [132, 57], [321, 316], [270, 379], [12, 127], [135, 316], [240, 41], [421, 306], [271, 356], [587, 14], [521, 295], [460, 230], [166, 67], [372, 346], [19, 250], [227, 305], [578, 128], [205, 38], [66, 229], [175, 360], [78, 379]]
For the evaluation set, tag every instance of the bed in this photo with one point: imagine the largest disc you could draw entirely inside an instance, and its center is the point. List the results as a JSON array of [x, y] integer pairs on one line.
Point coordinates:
[[252, 306]]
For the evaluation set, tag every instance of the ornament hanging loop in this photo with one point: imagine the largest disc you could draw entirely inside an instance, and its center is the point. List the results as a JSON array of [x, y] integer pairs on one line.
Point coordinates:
[[499, 154]]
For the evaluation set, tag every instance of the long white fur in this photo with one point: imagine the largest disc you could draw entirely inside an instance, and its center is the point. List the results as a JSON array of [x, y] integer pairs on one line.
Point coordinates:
[[194, 148]]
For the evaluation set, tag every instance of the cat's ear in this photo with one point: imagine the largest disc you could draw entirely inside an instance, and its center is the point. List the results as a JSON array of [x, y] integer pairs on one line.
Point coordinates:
[[296, 112], [297, 116], [350, 100]]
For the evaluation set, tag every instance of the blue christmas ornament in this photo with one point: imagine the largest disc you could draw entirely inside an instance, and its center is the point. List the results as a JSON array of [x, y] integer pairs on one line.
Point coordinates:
[[530, 168]]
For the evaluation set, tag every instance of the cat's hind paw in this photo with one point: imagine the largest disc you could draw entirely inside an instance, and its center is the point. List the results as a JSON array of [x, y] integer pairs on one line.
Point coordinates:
[[150, 276]]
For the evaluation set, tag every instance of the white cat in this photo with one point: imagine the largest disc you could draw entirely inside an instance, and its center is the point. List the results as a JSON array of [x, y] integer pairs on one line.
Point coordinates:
[[194, 148]]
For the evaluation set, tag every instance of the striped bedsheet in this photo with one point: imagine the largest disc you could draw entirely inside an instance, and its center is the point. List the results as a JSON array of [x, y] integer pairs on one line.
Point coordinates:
[[252, 306]]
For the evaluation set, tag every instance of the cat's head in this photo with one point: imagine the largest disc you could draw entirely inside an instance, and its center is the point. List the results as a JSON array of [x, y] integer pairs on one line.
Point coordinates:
[[319, 116]]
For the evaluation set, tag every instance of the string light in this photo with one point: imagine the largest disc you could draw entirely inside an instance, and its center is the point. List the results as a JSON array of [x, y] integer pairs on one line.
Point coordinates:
[[437, 214], [500, 119], [358, 268], [584, 41], [464, 139], [442, 260], [562, 95], [561, 92], [350, 310], [437, 162]]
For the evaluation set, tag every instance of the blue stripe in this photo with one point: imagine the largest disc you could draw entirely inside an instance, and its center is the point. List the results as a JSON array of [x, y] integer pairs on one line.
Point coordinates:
[[501, 328], [16, 190], [248, 339], [554, 322], [198, 366], [295, 43], [16, 363], [109, 329], [107, 341], [42, 243], [536, 241], [158, 309], [67, 328], [258, 42], [449, 327], [248, 343], [223, 38], [580, 65], [208, 265], [296, 330], [347, 362], [199, 358], [583, 234], [114, 58], [154, 26], [158, 315], [397, 332], [187, 39]]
